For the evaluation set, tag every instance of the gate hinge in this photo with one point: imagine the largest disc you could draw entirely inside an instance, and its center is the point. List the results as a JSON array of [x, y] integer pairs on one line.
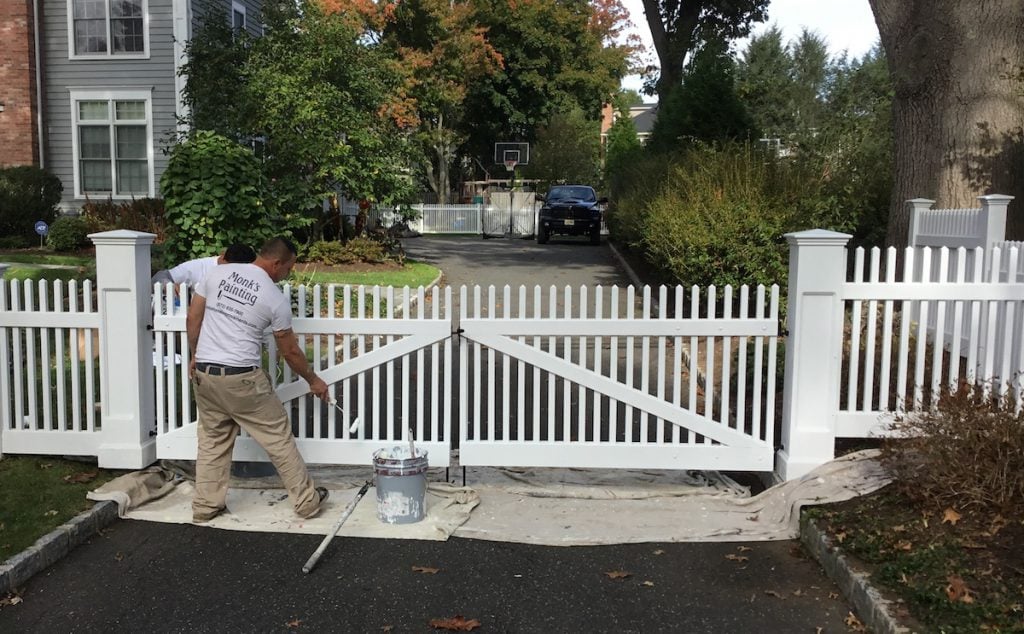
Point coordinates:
[[458, 331]]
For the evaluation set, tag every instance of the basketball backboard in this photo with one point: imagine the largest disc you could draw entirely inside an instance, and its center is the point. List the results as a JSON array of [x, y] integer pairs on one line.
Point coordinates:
[[512, 151]]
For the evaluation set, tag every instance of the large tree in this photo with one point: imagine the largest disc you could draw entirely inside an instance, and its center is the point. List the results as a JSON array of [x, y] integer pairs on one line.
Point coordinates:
[[679, 26], [958, 107], [554, 60]]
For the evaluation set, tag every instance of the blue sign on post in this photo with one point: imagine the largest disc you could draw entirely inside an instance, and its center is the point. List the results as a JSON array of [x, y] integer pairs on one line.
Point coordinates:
[[42, 229]]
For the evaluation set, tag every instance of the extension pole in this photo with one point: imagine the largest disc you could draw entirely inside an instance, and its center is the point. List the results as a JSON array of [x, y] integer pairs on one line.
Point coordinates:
[[315, 557]]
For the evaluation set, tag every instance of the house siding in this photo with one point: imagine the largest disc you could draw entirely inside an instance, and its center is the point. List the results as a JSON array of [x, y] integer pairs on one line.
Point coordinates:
[[154, 75]]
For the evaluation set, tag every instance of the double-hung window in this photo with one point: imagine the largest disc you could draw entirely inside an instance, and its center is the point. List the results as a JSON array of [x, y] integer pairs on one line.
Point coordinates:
[[107, 28], [113, 143], [237, 18]]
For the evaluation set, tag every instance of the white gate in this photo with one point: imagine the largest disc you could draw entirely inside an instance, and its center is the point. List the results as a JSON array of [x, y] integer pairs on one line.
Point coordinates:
[[392, 373], [599, 387]]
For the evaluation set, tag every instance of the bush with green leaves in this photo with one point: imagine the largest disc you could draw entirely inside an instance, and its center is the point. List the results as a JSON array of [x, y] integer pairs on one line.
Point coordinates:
[[213, 197], [27, 194], [137, 214], [68, 233]]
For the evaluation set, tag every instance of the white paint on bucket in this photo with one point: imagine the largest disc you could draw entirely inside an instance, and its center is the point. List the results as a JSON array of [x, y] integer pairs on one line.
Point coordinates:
[[401, 482]]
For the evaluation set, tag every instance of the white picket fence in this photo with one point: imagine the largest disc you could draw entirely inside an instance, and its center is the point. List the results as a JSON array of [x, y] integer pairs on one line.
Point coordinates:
[[593, 376]]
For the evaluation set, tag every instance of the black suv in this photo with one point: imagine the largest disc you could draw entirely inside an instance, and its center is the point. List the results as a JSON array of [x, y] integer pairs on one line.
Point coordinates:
[[570, 210]]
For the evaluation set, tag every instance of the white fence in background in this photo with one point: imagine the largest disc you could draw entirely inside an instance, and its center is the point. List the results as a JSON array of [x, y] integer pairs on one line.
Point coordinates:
[[953, 228], [587, 377]]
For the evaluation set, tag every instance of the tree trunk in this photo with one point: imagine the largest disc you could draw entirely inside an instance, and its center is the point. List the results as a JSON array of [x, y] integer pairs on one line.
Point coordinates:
[[958, 107]]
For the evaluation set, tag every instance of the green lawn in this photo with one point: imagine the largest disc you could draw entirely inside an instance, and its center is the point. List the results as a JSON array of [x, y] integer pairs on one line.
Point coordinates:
[[47, 257], [35, 498], [35, 273], [414, 274]]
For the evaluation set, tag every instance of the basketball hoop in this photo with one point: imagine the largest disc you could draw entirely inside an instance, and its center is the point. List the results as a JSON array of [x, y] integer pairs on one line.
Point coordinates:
[[511, 165]]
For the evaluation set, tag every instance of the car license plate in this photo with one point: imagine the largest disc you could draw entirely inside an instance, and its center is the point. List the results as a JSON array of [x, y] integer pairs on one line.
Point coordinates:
[[568, 223]]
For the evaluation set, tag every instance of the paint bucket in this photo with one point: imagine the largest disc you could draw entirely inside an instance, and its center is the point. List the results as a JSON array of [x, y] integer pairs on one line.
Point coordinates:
[[401, 482]]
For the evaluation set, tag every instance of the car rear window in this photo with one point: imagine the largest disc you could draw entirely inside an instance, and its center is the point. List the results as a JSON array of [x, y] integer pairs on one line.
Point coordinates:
[[585, 194]]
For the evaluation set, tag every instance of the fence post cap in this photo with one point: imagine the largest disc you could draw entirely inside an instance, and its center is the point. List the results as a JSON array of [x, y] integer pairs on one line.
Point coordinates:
[[818, 237], [120, 236], [996, 198], [921, 201]]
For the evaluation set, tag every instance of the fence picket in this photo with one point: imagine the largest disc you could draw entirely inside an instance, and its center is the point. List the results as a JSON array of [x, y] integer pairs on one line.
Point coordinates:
[[645, 363], [853, 371], [677, 363]]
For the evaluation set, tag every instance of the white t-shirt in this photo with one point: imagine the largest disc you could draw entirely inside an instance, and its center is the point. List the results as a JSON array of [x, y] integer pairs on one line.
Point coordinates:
[[241, 301], [193, 271]]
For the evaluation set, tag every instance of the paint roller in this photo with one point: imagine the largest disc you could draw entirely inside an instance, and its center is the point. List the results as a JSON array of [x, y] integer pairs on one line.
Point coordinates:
[[355, 423], [315, 557]]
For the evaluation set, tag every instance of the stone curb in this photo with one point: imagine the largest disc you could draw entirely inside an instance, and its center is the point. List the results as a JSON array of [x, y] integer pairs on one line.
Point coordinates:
[[54, 546], [630, 273], [868, 603]]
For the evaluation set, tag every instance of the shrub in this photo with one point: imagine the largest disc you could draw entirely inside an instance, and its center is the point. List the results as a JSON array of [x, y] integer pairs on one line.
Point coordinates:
[[68, 233], [966, 452], [141, 214], [213, 196], [364, 249], [326, 251], [27, 194]]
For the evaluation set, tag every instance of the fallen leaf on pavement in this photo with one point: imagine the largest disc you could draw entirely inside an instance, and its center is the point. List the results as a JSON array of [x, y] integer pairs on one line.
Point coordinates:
[[904, 546], [649, 584], [618, 574], [951, 516], [773, 593], [854, 623], [119, 556], [833, 595], [659, 552], [840, 537], [740, 558], [12, 598], [798, 593], [387, 628], [457, 623], [425, 570], [81, 478], [744, 549], [294, 623]]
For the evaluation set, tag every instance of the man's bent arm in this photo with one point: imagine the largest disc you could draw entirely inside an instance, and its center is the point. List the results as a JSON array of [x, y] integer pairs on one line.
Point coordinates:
[[194, 321], [295, 357]]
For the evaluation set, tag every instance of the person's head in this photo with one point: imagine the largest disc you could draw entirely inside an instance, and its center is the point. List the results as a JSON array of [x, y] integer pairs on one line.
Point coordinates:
[[237, 254], [277, 257]]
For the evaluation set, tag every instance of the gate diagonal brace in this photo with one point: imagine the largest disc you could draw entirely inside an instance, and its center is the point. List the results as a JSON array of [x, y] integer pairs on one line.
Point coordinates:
[[677, 416]]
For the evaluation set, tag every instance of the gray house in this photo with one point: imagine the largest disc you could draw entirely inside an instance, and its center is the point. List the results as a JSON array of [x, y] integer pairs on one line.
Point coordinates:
[[103, 96]]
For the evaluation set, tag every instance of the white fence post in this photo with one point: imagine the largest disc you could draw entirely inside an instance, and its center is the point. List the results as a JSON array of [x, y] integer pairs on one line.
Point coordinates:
[[817, 270], [993, 218], [917, 206], [126, 343]]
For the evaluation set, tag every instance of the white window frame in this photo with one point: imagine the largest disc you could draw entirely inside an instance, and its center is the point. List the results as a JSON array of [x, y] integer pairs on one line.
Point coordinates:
[[109, 54], [111, 95], [238, 7]]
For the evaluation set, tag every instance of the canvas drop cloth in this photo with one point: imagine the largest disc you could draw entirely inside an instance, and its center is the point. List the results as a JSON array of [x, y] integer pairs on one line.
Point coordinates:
[[562, 507]]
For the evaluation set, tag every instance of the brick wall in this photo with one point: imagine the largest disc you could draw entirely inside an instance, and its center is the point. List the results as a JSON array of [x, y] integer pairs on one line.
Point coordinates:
[[18, 139]]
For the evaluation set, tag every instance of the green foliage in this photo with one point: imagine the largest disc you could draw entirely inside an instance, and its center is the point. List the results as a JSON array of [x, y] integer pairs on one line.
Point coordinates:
[[318, 92], [215, 67], [552, 62], [705, 107], [717, 215], [622, 149], [138, 214], [687, 23], [567, 150], [213, 197], [360, 249], [68, 233], [27, 194]]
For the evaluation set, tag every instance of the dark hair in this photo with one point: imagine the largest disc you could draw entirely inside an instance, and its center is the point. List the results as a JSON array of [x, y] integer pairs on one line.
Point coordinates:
[[279, 248], [239, 254]]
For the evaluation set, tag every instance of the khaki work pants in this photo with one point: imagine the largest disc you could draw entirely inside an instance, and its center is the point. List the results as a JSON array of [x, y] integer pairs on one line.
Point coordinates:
[[246, 401]]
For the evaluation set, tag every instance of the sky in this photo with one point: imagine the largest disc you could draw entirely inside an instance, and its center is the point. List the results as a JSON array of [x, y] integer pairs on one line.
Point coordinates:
[[845, 24]]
